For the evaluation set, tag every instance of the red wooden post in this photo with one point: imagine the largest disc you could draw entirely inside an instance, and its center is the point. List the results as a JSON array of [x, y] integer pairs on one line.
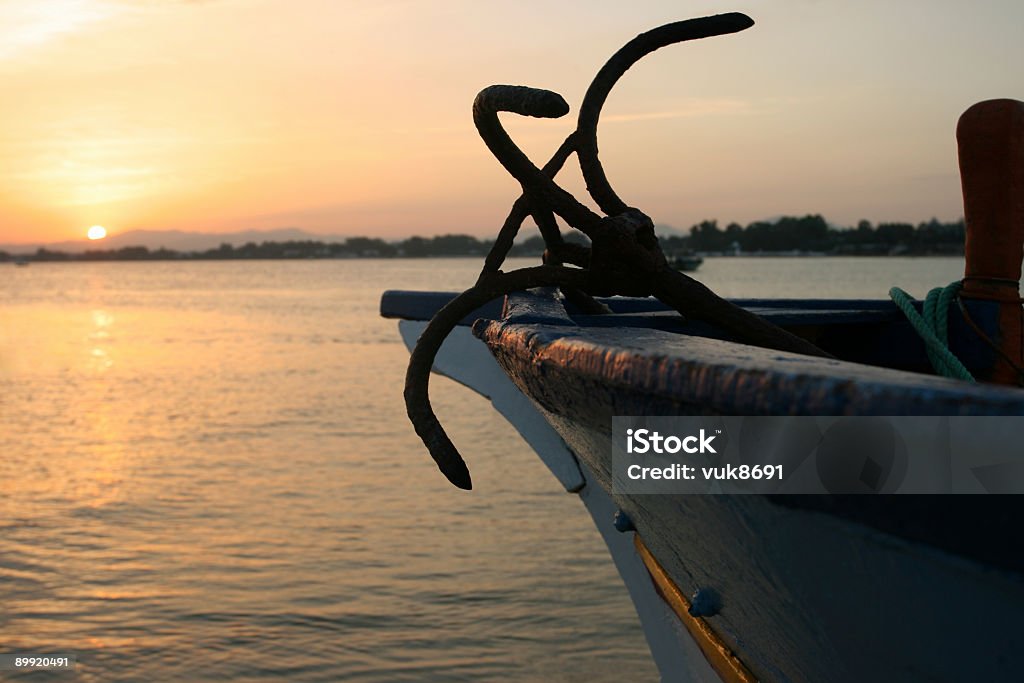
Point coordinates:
[[990, 137]]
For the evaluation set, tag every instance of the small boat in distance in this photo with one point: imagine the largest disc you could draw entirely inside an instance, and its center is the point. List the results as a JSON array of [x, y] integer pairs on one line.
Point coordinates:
[[686, 262], [21, 260]]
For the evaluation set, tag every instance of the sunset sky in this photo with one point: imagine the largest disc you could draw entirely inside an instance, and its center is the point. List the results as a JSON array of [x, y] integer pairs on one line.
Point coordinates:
[[354, 117]]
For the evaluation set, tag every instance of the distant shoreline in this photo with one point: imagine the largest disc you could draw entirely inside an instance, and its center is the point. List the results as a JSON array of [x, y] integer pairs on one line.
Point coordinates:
[[791, 236], [95, 258]]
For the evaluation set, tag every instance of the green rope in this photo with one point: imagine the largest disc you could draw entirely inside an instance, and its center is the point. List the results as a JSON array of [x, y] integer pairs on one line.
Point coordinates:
[[933, 327]]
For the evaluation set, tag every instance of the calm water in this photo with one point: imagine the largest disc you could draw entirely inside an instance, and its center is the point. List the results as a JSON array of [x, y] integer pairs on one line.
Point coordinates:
[[206, 474]]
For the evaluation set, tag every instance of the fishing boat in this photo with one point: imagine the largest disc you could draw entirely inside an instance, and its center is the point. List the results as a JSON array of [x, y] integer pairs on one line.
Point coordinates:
[[829, 588], [766, 584], [686, 262]]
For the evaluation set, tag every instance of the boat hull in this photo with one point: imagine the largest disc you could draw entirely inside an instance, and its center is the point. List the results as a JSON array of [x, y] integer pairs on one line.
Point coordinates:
[[808, 588], [882, 588], [807, 595]]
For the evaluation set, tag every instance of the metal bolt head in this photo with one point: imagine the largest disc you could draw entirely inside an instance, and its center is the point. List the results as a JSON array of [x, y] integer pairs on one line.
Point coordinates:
[[704, 603], [622, 522]]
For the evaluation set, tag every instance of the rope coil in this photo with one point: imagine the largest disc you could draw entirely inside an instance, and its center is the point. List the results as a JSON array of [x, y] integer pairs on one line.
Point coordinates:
[[932, 325]]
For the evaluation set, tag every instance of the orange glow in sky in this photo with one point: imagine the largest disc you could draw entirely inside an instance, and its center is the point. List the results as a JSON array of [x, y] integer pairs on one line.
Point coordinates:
[[344, 117]]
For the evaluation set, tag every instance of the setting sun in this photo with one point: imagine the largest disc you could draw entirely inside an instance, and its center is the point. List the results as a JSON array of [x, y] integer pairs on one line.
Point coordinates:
[[97, 232]]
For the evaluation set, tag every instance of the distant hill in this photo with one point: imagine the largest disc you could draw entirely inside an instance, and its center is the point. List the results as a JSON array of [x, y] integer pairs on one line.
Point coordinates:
[[177, 240], [666, 230]]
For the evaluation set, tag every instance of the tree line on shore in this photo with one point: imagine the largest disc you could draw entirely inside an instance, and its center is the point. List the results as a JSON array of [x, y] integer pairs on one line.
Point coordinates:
[[814, 234], [789, 234]]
